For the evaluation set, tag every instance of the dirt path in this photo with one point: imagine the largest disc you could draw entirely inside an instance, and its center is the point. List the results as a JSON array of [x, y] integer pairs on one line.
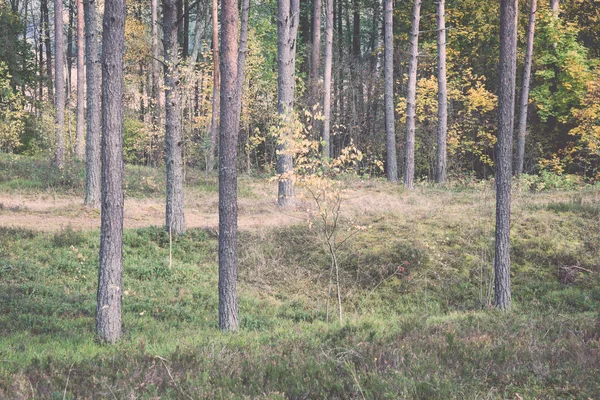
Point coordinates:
[[43, 212]]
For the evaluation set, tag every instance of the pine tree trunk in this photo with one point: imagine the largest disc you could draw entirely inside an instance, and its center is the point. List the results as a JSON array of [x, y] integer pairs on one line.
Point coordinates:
[[93, 81], [243, 51], [409, 155], [287, 29], [315, 65], [108, 309], [214, 123], [555, 6], [197, 36], [59, 89], [186, 29], [440, 173], [157, 104], [327, 78], [390, 130], [80, 139], [522, 128], [175, 220], [228, 208], [46, 27], [506, 110]]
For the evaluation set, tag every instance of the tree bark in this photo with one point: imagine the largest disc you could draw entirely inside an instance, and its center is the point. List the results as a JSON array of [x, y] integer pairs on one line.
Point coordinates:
[[93, 81], [214, 123], [46, 27], [409, 156], [197, 35], [316, 57], [522, 128], [555, 6], [108, 309], [327, 78], [157, 104], [442, 95], [390, 130], [186, 28], [80, 144], [228, 208], [287, 29], [506, 110], [243, 51], [175, 220], [59, 89]]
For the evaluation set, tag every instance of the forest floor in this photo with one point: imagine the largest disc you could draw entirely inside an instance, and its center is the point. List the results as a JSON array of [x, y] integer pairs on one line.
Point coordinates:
[[415, 282]]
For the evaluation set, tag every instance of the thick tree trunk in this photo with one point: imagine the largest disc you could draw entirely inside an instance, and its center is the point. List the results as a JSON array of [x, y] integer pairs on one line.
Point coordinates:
[[175, 221], [214, 123], [108, 309], [80, 139], [506, 111], [228, 208], [93, 81], [287, 29], [315, 65], [327, 78], [390, 130], [59, 89], [522, 128], [440, 170], [409, 155]]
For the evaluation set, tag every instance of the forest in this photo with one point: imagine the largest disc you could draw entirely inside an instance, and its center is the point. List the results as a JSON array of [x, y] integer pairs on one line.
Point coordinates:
[[299, 199]]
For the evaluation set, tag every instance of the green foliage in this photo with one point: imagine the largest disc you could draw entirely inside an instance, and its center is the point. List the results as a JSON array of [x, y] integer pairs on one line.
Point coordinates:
[[547, 180]]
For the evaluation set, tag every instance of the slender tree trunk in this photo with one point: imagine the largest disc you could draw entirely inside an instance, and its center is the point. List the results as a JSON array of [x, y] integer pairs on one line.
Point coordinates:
[[440, 174], [197, 35], [504, 147], [555, 6], [522, 129], [228, 208], [287, 28], [46, 27], [327, 78], [108, 309], [243, 51], [71, 12], [93, 81], [157, 94], [80, 139], [409, 155], [175, 221], [316, 58], [214, 123], [186, 28], [59, 83], [390, 130]]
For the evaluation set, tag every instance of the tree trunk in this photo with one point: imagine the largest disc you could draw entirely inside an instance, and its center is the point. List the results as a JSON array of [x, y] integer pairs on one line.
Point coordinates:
[[504, 147], [316, 58], [108, 309], [46, 26], [80, 144], [228, 208], [327, 78], [440, 174], [243, 51], [214, 123], [522, 128], [390, 130], [555, 6], [175, 221], [287, 28], [186, 28], [71, 12], [59, 89], [197, 35], [93, 81], [409, 155]]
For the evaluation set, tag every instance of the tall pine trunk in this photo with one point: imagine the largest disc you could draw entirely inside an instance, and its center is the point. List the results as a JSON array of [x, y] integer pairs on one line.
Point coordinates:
[[93, 81], [175, 220], [327, 78], [214, 123], [228, 208], [157, 105], [80, 143], [59, 86], [390, 130], [504, 146], [409, 155], [315, 65], [287, 29], [46, 27], [108, 309], [440, 170], [522, 128]]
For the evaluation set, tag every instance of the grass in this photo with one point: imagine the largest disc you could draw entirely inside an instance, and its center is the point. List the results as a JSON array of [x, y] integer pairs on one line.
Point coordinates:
[[426, 331]]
